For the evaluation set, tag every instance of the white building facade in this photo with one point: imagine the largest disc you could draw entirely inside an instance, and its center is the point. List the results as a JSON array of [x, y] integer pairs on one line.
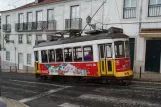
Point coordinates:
[[140, 19]]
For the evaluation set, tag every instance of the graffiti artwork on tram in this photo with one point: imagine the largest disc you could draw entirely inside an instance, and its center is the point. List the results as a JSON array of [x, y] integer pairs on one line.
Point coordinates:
[[69, 69], [65, 69]]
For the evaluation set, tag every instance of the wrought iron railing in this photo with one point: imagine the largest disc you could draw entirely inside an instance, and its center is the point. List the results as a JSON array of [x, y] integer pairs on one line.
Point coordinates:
[[6, 27], [154, 10], [73, 23], [129, 12]]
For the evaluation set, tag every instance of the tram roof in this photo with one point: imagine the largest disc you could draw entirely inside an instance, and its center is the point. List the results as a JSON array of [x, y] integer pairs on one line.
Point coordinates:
[[82, 39]]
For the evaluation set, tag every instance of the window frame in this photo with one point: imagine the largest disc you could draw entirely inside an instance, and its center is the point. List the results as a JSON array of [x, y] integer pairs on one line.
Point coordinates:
[[29, 41], [57, 55], [129, 8], [71, 11], [118, 50], [68, 53], [20, 41], [29, 61], [28, 17], [49, 56], [88, 51], [36, 55], [74, 54], [149, 9], [7, 56]]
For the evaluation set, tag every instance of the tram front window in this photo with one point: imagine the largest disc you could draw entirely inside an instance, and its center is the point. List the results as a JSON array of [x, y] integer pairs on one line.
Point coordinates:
[[36, 56], [44, 56], [119, 49]]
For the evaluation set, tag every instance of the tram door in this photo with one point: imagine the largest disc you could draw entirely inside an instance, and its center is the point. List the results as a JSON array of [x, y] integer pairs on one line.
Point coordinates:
[[106, 62]]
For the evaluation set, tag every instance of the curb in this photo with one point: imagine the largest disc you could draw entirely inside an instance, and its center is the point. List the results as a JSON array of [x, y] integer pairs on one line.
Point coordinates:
[[12, 103]]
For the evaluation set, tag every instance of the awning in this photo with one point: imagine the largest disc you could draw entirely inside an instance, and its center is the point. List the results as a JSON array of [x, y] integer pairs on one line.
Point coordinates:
[[150, 33]]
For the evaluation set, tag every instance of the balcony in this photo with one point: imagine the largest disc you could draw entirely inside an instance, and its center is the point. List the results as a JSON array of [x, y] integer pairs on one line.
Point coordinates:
[[39, 25], [129, 12], [20, 27], [29, 26], [154, 10], [73, 24], [7, 27], [51, 25]]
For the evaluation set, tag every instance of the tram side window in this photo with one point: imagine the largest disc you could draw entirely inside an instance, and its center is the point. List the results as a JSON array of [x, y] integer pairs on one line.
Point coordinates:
[[51, 55], [77, 52], [109, 50], [119, 49], [88, 53], [59, 55], [127, 49], [68, 54], [36, 56], [44, 56], [101, 50]]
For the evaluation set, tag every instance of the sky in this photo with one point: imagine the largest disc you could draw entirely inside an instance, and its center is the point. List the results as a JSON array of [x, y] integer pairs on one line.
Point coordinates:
[[11, 4]]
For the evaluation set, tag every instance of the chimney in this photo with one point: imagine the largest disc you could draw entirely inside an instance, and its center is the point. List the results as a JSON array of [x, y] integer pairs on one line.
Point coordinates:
[[38, 1]]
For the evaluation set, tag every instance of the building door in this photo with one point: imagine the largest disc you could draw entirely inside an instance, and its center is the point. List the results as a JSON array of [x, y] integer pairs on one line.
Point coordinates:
[[132, 47], [152, 60], [20, 61]]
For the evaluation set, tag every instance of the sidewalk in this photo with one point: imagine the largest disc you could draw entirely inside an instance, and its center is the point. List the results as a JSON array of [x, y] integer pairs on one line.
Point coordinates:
[[5, 102], [148, 76]]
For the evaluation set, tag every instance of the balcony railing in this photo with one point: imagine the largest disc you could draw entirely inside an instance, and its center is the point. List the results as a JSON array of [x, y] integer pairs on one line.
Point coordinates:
[[155, 10], [39, 25], [29, 26], [51, 25], [75, 24], [129, 12], [7, 27], [20, 27], [36, 26]]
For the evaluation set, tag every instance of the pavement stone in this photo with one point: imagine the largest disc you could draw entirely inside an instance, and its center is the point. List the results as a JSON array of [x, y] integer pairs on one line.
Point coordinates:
[[5, 102]]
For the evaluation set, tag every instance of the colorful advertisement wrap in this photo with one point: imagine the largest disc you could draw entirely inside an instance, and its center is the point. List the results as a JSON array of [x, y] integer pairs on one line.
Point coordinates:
[[122, 64], [70, 69]]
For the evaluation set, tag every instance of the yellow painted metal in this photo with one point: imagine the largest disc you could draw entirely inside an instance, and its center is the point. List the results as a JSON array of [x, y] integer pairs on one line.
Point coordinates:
[[37, 68], [103, 69], [124, 74], [110, 72]]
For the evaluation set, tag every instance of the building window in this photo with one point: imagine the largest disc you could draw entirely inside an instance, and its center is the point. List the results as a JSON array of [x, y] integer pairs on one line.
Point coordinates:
[[28, 58], [154, 8], [50, 14], [29, 38], [39, 19], [20, 39], [75, 13], [38, 37], [20, 58], [7, 38], [29, 17], [7, 56], [21, 21], [129, 9]]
